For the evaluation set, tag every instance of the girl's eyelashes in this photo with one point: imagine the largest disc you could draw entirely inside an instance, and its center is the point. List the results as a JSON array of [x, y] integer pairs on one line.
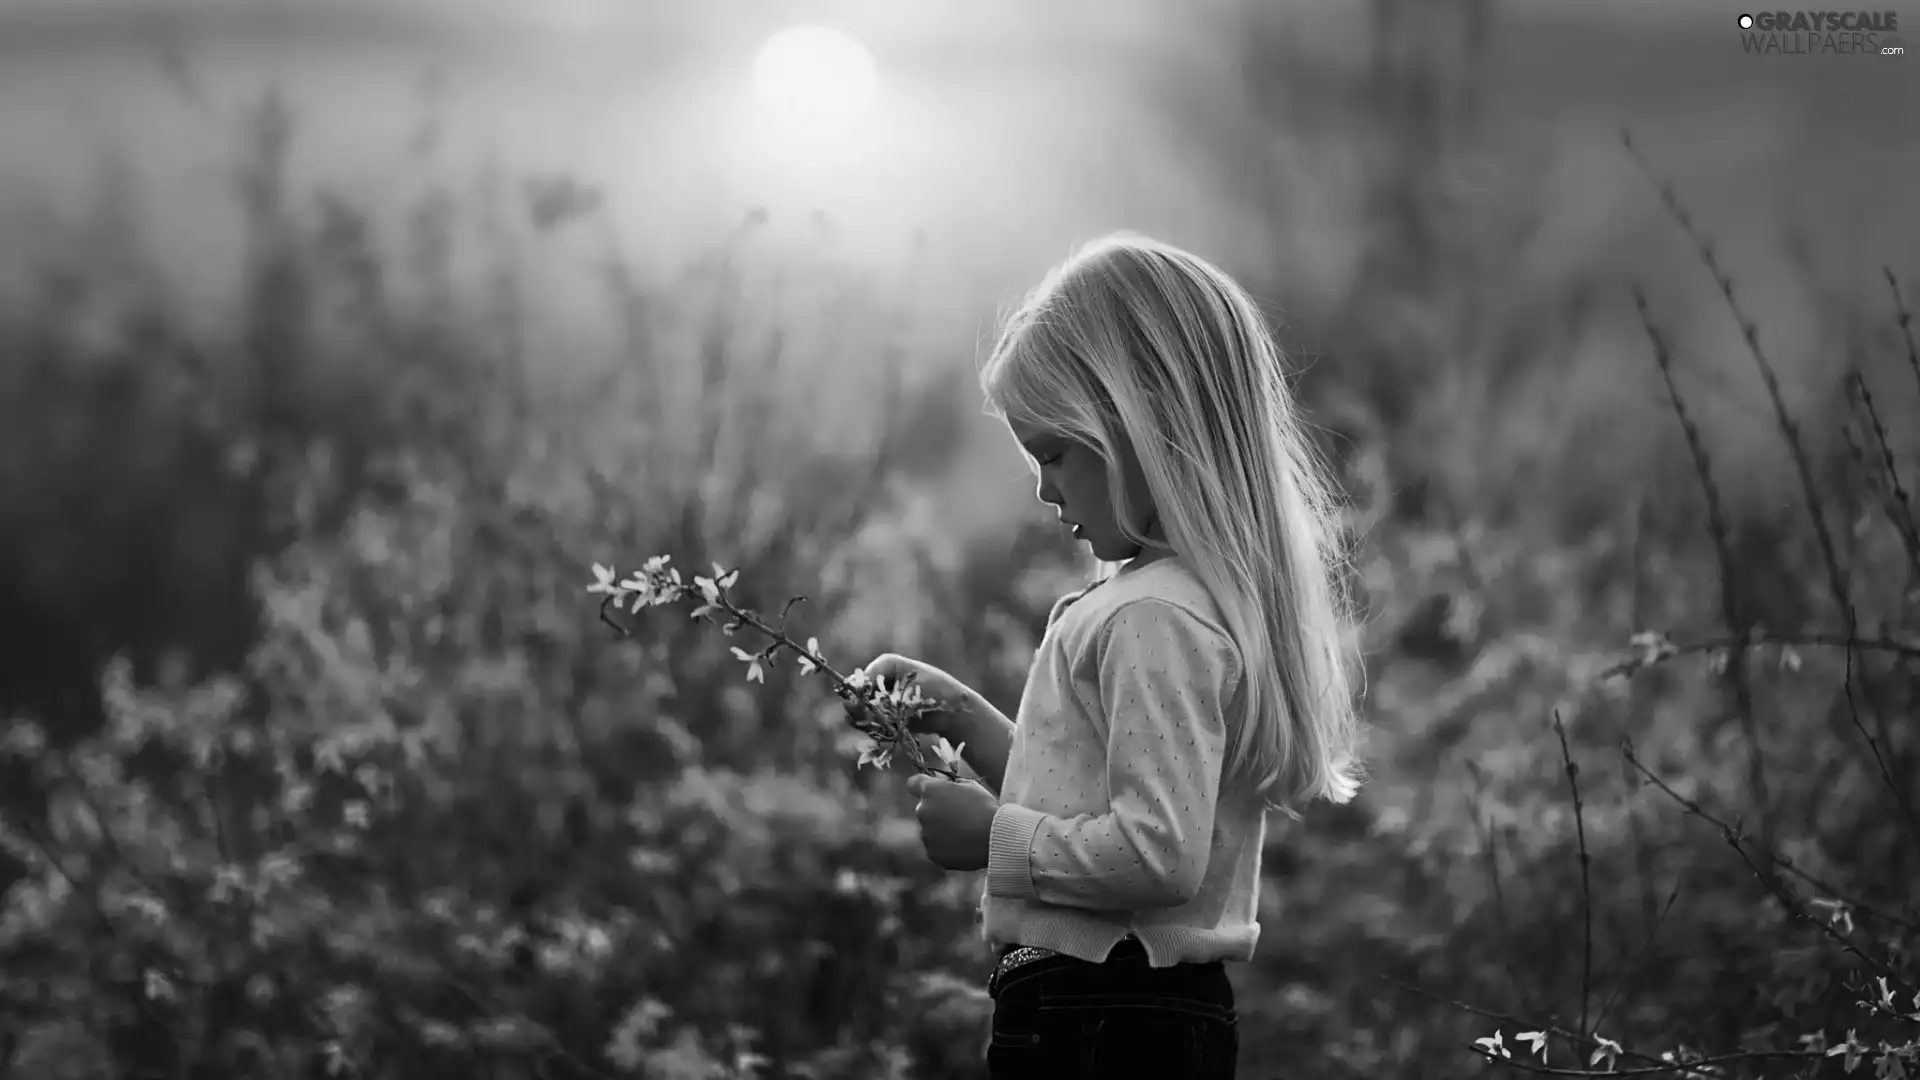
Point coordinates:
[[1045, 461]]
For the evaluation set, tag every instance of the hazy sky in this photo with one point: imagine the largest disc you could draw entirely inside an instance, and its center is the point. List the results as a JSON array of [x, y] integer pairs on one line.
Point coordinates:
[[1004, 132], [1003, 127]]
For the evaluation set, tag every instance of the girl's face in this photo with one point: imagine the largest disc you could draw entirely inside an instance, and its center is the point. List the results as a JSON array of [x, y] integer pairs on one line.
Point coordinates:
[[1073, 480]]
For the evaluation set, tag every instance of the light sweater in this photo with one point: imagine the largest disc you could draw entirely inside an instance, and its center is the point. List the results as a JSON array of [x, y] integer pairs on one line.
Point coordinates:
[[1112, 820]]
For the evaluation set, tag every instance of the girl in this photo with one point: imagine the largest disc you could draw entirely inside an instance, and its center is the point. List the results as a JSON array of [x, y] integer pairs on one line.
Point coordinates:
[[1205, 678]]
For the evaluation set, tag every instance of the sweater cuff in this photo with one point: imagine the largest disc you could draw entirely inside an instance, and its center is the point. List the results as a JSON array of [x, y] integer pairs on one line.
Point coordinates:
[[1010, 852]]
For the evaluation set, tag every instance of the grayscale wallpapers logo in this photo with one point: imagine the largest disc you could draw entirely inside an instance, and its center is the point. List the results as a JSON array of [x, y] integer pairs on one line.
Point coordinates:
[[1815, 33]]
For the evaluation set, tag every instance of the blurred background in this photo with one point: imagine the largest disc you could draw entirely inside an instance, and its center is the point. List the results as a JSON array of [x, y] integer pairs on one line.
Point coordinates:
[[339, 339]]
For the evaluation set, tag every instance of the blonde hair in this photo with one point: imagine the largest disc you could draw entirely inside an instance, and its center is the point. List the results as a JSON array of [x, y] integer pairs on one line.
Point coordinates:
[[1136, 342]]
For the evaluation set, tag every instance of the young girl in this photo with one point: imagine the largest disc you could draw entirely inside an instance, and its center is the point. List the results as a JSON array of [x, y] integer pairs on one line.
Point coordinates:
[[1203, 680]]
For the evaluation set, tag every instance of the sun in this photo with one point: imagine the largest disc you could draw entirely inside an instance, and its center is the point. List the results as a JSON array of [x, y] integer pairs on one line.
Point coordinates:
[[814, 83]]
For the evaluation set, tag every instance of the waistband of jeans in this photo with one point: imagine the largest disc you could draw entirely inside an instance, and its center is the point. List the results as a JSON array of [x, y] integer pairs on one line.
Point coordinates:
[[1014, 956]]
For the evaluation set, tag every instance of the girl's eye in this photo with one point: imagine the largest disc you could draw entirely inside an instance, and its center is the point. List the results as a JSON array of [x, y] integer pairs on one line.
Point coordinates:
[[1045, 461]]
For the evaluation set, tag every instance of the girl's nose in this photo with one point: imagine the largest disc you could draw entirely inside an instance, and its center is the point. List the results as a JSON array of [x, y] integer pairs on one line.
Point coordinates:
[[1046, 492]]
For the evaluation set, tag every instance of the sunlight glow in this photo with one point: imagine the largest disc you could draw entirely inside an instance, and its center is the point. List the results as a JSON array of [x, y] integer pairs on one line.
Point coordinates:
[[814, 84]]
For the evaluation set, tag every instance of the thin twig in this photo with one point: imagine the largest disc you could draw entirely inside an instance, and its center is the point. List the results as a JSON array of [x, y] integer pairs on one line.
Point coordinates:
[[1790, 431], [1655, 1065], [1900, 512], [1701, 1066], [1738, 844], [1639, 955], [1903, 318], [1811, 640], [1492, 838], [1586, 881], [1888, 500], [1735, 619]]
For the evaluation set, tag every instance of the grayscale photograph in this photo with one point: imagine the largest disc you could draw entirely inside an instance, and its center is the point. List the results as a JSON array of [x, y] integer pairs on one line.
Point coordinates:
[[937, 540]]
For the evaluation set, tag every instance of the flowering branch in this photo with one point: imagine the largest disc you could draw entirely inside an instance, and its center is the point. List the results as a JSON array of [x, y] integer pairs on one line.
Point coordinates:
[[1605, 1057], [882, 712], [1653, 648], [1838, 912]]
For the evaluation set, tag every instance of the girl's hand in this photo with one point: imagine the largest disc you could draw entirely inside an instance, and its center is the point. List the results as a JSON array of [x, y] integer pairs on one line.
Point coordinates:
[[949, 695], [956, 821]]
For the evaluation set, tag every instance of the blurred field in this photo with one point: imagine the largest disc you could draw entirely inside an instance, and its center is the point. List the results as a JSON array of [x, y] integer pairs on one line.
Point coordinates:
[[337, 343]]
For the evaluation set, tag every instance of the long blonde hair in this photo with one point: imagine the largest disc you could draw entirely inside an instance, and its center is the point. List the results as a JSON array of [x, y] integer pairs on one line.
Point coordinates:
[[1136, 340]]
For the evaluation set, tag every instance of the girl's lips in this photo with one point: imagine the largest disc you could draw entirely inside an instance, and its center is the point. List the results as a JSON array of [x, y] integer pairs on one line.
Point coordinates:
[[1076, 532]]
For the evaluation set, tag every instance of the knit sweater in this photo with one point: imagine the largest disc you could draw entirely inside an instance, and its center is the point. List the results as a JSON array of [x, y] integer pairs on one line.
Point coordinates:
[[1112, 818]]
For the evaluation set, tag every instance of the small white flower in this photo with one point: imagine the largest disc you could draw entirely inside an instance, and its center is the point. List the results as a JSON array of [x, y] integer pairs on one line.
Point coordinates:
[[807, 666], [605, 578], [709, 591], [1608, 1050], [752, 660], [1491, 1045], [1838, 913], [1852, 1049], [1538, 1040], [951, 756]]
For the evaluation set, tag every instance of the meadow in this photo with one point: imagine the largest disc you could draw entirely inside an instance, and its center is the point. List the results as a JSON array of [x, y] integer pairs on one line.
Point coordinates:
[[318, 759]]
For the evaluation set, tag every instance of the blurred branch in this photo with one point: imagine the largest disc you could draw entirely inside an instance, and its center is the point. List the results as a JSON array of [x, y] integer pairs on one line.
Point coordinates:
[[1630, 972], [1735, 619], [1750, 333], [1738, 842], [1586, 880], [1903, 318], [1895, 503], [1790, 432], [91, 889], [1812, 639], [1701, 1066], [1655, 1066], [1492, 841]]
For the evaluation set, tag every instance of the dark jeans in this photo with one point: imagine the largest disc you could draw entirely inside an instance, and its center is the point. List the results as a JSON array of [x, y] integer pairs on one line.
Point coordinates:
[[1066, 1019]]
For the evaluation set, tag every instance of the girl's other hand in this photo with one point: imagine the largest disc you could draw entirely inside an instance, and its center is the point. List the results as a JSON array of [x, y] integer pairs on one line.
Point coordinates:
[[956, 821]]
